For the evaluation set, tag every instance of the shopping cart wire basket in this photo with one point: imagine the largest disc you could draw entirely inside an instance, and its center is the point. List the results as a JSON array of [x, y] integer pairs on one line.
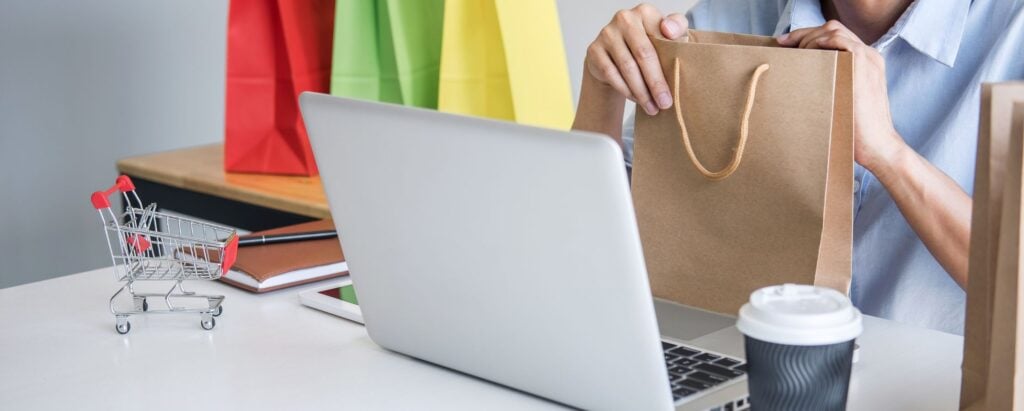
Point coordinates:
[[148, 245]]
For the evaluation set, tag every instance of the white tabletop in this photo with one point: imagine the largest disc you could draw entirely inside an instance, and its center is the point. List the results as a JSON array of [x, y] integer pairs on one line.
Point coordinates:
[[59, 350]]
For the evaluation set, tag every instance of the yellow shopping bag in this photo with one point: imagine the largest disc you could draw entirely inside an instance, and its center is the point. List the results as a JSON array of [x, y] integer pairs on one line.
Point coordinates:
[[504, 59]]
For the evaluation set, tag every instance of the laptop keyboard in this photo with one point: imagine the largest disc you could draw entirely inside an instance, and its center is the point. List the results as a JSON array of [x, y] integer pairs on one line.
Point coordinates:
[[691, 370]]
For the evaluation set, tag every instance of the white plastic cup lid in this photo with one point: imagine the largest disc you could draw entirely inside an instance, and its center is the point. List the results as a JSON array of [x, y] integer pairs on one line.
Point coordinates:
[[793, 314]]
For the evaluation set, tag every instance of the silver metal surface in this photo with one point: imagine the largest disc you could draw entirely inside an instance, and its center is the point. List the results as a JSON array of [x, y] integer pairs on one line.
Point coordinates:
[[686, 323], [711, 332], [503, 251], [147, 245]]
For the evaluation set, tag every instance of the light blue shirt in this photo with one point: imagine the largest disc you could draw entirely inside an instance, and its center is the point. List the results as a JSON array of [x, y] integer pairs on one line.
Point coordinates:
[[937, 55]]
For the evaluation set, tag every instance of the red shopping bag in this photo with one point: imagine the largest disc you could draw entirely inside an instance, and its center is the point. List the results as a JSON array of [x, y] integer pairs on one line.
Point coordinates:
[[276, 50]]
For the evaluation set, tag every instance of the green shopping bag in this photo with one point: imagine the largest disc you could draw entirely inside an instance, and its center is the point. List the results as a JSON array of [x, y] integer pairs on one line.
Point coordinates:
[[387, 50]]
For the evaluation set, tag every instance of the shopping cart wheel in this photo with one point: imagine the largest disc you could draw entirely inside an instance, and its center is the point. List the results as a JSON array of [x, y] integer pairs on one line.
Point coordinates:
[[218, 311], [208, 325], [123, 328]]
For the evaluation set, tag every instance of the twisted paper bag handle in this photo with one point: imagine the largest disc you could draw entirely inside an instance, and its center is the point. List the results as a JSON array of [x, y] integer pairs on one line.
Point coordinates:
[[744, 127]]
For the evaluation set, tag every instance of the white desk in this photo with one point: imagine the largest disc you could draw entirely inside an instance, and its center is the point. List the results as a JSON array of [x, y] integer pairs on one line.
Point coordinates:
[[59, 350]]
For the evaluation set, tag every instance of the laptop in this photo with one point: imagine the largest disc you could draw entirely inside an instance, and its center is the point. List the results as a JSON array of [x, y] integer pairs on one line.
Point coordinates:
[[510, 253]]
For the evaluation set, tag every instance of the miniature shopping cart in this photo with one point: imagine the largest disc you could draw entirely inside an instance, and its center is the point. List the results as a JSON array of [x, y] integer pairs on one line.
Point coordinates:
[[147, 245]]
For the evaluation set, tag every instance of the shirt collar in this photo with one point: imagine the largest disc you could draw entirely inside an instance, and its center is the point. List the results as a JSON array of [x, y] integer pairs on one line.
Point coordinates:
[[932, 27], [799, 14]]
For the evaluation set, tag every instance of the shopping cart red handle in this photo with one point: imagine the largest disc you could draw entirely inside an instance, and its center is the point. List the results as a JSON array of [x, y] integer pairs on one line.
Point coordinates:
[[100, 199], [230, 252]]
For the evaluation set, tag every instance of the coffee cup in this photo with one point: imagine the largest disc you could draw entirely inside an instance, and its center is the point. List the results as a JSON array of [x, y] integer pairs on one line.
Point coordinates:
[[799, 342]]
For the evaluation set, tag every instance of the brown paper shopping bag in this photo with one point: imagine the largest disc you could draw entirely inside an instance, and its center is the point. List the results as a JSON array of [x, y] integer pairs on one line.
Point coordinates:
[[1005, 387], [748, 180], [989, 182]]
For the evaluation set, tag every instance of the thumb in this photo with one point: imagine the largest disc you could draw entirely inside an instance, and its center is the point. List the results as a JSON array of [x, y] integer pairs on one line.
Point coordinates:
[[674, 26]]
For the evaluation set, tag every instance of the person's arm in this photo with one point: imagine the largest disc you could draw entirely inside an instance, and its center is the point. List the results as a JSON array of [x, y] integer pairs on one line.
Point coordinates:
[[936, 208], [600, 108], [621, 64]]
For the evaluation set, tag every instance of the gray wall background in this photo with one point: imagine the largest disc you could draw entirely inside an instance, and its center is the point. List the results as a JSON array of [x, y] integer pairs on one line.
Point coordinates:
[[85, 82]]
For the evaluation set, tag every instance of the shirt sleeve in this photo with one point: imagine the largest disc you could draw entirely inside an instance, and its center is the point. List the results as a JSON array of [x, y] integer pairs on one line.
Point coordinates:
[[759, 17], [627, 139]]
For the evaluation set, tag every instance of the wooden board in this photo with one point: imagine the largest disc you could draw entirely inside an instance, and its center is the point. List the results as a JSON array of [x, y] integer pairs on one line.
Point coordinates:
[[201, 169]]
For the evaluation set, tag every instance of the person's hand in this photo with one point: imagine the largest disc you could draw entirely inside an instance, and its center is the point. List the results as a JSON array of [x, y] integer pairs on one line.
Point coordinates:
[[623, 58], [876, 142]]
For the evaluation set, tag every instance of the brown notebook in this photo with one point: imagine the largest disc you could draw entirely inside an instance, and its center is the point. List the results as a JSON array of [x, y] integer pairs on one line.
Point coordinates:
[[272, 267]]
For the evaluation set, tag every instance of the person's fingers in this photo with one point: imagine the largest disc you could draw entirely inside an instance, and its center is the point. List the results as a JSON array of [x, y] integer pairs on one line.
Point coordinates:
[[674, 26], [812, 40], [835, 25], [836, 41], [650, 18], [802, 37], [814, 36], [797, 38], [793, 38], [629, 69], [624, 58], [603, 68], [640, 45], [650, 67]]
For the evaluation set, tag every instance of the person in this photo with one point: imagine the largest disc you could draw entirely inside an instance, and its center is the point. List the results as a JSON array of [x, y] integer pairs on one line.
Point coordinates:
[[918, 70]]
